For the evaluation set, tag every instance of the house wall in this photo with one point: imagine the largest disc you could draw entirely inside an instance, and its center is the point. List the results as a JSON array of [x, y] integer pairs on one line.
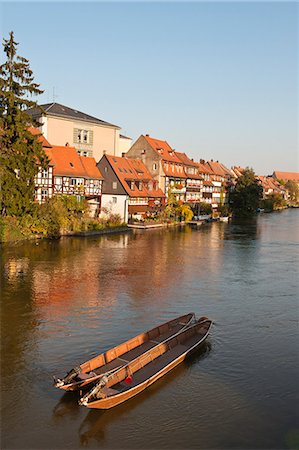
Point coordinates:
[[59, 131], [124, 145], [116, 204]]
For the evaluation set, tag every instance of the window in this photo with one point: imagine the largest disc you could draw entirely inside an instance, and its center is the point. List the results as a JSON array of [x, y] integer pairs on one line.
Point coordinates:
[[76, 181], [44, 173], [143, 152], [114, 185], [114, 199], [154, 166], [45, 194], [82, 136], [106, 169]]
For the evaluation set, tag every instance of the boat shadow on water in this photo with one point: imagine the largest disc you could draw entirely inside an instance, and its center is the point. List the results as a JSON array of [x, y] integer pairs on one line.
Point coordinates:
[[96, 422]]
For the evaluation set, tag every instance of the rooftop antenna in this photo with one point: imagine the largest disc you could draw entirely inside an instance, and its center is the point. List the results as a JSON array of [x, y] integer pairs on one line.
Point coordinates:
[[54, 95]]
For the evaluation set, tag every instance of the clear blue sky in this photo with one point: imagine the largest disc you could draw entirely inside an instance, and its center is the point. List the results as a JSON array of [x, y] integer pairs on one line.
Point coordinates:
[[216, 80]]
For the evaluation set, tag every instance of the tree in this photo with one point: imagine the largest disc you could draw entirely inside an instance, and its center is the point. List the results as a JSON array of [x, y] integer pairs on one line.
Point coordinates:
[[273, 202], [246, 197], [293, 189], [21, 152]]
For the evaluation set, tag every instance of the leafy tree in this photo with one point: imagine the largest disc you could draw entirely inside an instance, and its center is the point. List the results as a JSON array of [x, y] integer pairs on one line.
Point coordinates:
[[246, 197], [186, 212], [205, 208], [21, 151], [293, 189], [273, 202]]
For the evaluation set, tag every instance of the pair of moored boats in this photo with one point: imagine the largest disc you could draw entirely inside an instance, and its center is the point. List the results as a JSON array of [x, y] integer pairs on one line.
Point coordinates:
[[124, 371]]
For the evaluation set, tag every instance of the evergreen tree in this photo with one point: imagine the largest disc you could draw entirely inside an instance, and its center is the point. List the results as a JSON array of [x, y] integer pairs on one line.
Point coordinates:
[[247, 195], [20, 150]]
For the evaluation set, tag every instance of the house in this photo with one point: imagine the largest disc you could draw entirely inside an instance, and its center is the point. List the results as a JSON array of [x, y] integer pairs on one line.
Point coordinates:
[[76, 175], [271, 186], [194, 181], [128, 188], [89, 135], [44, 178], [222, 178], [163, 164], [68, 174]]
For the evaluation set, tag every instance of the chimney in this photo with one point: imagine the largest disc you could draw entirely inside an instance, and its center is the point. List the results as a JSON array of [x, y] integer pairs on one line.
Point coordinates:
[[212, 160], [202, 161], [67, 144], [123, 154], [147, 135]]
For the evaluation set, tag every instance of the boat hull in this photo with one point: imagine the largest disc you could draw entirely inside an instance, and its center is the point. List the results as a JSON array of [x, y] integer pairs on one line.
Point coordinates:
[[110, 402], [115, 355]]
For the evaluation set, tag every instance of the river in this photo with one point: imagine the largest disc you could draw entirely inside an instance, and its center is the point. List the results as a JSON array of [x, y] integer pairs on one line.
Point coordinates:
[[66, 300]]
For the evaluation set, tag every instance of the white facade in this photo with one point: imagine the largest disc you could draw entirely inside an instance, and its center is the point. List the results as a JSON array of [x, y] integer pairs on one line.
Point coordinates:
[[115, 204]]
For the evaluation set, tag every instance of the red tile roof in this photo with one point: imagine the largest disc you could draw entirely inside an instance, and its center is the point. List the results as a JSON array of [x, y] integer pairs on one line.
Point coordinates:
[[202, 168], [163, 149], [68, 163], [185, 159], [286, 176], [133, 170], [217, 168], [41, 138]]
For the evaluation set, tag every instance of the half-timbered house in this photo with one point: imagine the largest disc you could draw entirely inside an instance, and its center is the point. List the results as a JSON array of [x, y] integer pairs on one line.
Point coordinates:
[[128, 188]]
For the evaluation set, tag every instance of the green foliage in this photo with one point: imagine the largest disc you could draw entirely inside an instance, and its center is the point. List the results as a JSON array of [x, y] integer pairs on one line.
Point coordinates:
[[205, 208], [59, 215], [246, 197], [20, 149], [224, 209], [293, 189], [273, 202]]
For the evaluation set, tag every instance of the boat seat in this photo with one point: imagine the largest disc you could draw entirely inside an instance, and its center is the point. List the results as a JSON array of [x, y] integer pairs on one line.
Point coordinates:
[[84, 376]]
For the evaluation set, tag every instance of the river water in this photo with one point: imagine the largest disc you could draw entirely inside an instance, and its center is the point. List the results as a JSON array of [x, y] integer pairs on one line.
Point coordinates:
[[64, 301]]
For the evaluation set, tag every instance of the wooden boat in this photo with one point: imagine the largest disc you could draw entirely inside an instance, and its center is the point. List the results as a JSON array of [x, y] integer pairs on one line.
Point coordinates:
[[147, 368], [106, 363]]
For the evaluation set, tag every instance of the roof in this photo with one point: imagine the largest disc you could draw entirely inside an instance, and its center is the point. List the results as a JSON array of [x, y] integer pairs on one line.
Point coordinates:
[[41, 138], [56, 109], [133, 170], [185, 159], [217, 168], [163, 149], [67, 162], [238, 171], [286, 176], [202, 168]]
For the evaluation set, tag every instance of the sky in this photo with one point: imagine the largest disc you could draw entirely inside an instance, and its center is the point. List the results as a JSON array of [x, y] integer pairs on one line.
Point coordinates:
[[214, 79]]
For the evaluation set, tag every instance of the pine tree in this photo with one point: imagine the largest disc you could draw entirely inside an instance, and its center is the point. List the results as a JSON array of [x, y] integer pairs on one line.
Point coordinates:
[[20, 150], [246, 196]]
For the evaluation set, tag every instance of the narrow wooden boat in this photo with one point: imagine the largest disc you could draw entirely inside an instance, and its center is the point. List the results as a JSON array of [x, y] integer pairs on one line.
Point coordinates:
[[106, 363], [146, 369]]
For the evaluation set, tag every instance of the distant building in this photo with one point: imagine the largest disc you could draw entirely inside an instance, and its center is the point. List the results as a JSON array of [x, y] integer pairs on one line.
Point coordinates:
[[89, 135], [128, 188], [286, 176]]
